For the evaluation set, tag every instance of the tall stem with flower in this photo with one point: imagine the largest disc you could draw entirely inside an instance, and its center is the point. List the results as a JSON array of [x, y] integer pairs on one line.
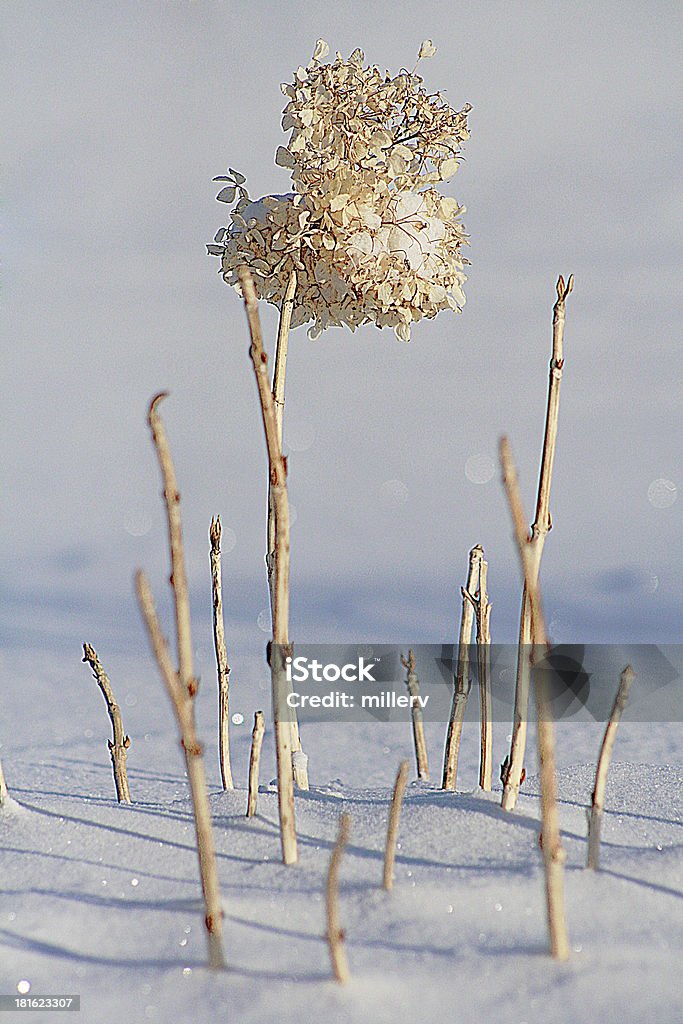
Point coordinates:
[[365, 236]]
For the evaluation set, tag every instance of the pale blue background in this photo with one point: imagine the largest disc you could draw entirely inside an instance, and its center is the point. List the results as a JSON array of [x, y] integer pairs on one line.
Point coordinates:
[[116, 118]]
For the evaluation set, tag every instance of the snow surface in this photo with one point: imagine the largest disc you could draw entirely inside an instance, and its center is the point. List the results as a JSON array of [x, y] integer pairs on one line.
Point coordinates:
[[103, 900]]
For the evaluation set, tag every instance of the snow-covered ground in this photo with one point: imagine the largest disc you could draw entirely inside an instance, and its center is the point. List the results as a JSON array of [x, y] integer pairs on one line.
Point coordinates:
[[103, 900]]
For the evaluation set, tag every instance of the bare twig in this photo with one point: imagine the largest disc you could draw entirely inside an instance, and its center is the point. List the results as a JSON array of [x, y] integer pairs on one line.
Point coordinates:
[[539, 530], [392, 828], [4, 795], [413, 685], [118, 749], [183, 705], [481, 609], [483, 617], [461, 680], [598, 801], [182, 687], [278, 483], [181, 598], [222, 667], [280, 371], [278, 390], [335, 933], [254, 761], [553, 853]]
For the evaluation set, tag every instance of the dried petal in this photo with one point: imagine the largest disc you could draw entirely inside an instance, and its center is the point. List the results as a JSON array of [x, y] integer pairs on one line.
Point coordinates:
[[448, 169], [427, 49], [321, 50]]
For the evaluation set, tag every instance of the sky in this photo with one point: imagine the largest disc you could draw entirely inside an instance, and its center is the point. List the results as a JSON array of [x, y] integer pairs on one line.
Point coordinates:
[[115, 119]]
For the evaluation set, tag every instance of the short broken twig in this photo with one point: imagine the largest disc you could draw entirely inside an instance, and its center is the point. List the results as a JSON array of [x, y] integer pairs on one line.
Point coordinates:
[[254, 761], [413, 685], [392, 828], [461, 678], [598, 801], [335, 933], [482, 614], [483, 617], [118, 748], [222, 666], [4, 794]]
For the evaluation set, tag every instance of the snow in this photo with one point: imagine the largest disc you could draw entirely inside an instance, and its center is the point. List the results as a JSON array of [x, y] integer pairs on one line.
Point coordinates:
[[103, 900]]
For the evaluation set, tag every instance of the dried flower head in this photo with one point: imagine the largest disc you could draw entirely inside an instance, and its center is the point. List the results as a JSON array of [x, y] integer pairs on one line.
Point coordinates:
[[370, 236]]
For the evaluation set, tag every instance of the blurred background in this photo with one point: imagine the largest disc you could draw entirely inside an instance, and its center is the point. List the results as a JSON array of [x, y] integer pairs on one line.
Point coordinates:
[[116, 119]]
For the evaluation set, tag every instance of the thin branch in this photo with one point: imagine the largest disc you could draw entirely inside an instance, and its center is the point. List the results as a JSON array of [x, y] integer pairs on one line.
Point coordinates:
[[222, 667], [598, 801], [278, 483], [553, 853], [413, 685], [278, 390], [335, 933], [531, 583], [4, 794], [118, 749], [182, 687], [542, 523], [299, 764], [280, 371], [539, 530], [483, 617], [183, 706], [392, 828], [461, 679], [159, 644], [181, 598], [254, 761]]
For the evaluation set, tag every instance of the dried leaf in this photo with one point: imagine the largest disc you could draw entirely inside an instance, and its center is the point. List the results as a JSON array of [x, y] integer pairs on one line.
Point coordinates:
[[226, 195], [283, 158]]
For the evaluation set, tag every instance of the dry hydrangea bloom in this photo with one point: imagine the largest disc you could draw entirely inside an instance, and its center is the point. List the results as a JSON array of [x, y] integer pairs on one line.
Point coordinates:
[[370, 236]]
